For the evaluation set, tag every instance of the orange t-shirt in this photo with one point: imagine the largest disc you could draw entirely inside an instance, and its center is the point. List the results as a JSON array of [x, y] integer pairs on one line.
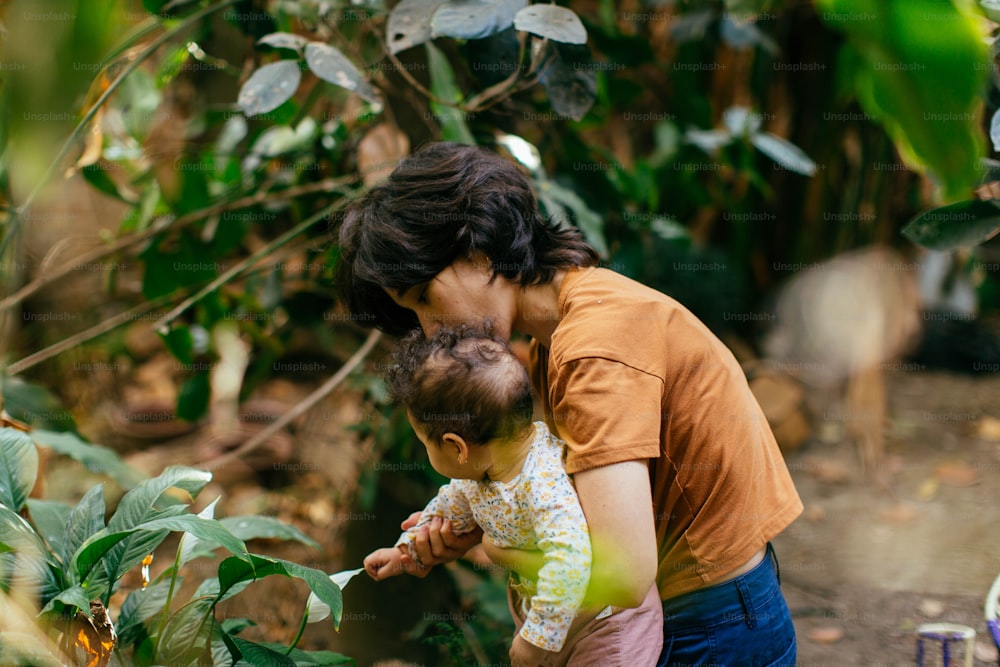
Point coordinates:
[[632, 374]]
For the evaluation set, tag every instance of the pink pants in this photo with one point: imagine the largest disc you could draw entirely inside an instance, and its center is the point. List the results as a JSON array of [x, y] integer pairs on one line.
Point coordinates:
[[626, 638]]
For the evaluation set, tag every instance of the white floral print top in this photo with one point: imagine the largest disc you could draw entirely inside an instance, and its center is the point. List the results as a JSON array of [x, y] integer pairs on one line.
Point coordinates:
[[538, 509]]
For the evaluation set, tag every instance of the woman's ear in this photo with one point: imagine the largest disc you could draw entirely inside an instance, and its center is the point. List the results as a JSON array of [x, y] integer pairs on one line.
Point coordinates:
[[456, 446]]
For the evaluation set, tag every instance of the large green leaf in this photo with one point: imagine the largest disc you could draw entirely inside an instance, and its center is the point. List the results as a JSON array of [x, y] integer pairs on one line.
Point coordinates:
[[25, 562], [18, 467], [963, 224], [35, 405], [74, 596], [234, 571], [919, 79], [265, 527], [329, 64], [188, 633], [84, 521], [269, 87], [259, 655], [208, 530], [95, 458], [50, 518], [140, 605], [453, 127], [570, 80], [141, 505], [474, 19]]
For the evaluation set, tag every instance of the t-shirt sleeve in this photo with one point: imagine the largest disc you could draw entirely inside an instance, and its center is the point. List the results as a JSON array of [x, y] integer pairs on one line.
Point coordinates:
[[607, 412], [451, 502], [562, 534]]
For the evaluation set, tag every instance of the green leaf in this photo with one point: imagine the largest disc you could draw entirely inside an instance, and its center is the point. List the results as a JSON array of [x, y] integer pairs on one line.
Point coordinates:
[[18, 467], [785, 153], [208, 530], [569, 80], [899, 63], [589, 222], [50, 518], [98, 178], [96, 458], [473, 19], [443, 86], [254, 527], [331, 65], [180, 343], [409, 23], [188, 633], [192, 400], [269, 87], [233, 571], [35, 405], [963, 224], [26, 564], [169, 265], [310, 658], [84, 520], [260, 655], [552, 22], [140, 606], [141, 505], [76, 596]]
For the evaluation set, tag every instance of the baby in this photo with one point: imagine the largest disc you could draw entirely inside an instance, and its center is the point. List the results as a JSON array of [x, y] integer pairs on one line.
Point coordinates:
[[469, 401]]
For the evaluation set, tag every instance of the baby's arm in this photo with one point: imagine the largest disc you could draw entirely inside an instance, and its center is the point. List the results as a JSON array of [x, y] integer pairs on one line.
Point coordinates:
[[450, 503], [565, 541]]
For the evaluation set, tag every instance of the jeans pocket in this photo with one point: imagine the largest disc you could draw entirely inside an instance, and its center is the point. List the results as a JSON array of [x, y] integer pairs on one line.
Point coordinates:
[[691, 647], [786, 659]]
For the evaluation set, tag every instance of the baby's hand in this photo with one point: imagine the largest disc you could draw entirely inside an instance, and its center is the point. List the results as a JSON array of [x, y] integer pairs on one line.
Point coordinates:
[[384, 563]]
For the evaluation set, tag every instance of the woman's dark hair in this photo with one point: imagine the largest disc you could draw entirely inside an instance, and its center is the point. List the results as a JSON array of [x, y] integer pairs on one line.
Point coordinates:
[[442, 203], [464, 381]]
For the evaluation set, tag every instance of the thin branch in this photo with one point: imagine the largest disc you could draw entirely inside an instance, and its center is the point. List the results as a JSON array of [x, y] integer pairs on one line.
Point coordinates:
[[249, 262], [301, 408], [99, 329], [332, 184], [112, 87]]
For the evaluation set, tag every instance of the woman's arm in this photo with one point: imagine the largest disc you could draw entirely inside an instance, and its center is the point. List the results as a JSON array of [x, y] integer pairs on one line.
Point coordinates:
[[617, 502]]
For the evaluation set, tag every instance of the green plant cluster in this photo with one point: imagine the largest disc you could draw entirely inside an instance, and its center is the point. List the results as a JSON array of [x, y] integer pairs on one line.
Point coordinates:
[[56, 561]]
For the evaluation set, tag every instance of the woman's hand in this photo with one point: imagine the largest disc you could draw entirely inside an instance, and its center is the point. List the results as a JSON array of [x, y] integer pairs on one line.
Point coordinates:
[[525, 563], [526, 654], [434, 543]]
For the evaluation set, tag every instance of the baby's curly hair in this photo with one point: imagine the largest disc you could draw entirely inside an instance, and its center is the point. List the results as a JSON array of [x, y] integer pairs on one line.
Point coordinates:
[[464, 381]]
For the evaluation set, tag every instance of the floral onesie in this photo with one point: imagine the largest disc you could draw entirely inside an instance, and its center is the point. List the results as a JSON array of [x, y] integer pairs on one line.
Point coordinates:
[[538, 509]]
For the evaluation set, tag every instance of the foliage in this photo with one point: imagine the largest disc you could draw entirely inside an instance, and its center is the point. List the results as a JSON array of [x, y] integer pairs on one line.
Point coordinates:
[[62, 560]]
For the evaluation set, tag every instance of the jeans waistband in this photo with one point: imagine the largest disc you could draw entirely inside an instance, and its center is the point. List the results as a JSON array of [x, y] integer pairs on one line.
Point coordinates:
[[742, 598]]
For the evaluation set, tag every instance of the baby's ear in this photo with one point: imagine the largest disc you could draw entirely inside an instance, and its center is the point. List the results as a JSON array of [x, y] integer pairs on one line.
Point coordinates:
[[456, 446]]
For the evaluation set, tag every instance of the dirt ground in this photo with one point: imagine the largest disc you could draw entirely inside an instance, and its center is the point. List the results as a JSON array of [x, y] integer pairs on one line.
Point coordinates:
[[865, 565]]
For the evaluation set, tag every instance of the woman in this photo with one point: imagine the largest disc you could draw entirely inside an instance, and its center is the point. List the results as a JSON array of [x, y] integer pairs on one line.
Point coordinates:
[[677, 471]]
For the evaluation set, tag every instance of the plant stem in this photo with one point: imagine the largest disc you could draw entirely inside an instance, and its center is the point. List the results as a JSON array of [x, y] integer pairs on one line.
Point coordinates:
[[247, 263], [298, 636], [112, 87], [99, 329], [326, 185], [170, 596]]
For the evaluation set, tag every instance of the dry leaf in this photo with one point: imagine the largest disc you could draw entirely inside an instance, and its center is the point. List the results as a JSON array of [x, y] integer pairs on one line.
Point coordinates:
[[827, 634], [956, 473], [988, 428]]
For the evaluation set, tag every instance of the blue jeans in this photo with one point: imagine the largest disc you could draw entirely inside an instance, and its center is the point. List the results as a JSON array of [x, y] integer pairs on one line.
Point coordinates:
[[743, 622]]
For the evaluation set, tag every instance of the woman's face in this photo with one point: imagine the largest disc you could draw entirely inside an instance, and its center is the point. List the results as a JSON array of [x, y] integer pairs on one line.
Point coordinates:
[[462, 294]]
